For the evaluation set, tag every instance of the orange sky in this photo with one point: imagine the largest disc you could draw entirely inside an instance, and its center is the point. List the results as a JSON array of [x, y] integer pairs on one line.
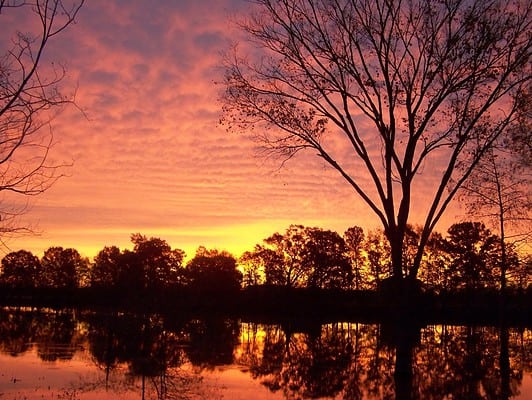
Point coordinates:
[[151, 158]]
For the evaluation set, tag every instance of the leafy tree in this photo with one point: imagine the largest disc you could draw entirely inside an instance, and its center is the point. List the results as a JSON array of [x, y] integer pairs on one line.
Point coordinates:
[[284, 258], [30, 96], [132, 277], [379, 261], [472, 248], [214, 270], [521, 277], [433, 82], [411, 242], [517, 273], [253, 265], [433, 270], [325, 254], [265, 261], [62, 268], [107, 266], [354, 240], [303, 257], [154, 262], [20, 269]]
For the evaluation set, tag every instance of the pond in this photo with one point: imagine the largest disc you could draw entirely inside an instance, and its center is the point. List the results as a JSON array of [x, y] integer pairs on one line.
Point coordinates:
[[67, 354]]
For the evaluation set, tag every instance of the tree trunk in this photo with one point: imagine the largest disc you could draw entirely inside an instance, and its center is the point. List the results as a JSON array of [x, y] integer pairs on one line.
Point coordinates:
[[504, 258], [396, 248], [502, 235]]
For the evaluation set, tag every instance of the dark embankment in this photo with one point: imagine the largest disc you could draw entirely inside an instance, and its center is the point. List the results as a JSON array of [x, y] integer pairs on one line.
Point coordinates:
[[272, 303]]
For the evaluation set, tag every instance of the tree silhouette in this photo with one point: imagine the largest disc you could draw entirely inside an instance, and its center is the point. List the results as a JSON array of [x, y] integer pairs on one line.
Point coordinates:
[[20, 269], [253, 265], [106, 269], [212, 341], [433, 270], [354, 240], [158, 265], [30, 97], [521, 277], [213, 270], [325, 253], [303, 257], [62, 268], [432, 83], [379, 261], [473, 251], [286, 251], [56, 335]]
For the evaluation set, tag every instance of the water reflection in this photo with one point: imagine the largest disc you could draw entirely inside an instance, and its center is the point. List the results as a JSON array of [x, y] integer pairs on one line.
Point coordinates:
[[357, 361], [343, 360]]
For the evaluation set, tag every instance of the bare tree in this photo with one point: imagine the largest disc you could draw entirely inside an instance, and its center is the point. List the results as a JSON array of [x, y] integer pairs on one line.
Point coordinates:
[[432, 83], [30, 96], [499, 192]]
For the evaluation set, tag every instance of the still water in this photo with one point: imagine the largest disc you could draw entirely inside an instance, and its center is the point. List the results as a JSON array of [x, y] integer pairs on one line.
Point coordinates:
[[64, 354]]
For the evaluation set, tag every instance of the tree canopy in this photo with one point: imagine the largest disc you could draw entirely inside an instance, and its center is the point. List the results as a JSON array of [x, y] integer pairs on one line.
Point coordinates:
[[213, 270], [62, 268], [21, 269]]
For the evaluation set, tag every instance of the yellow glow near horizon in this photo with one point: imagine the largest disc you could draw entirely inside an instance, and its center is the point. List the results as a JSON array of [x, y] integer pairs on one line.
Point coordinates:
[[234, 238]]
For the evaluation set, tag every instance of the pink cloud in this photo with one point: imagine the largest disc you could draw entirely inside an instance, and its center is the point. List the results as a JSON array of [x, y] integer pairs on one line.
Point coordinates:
[[151, 156]]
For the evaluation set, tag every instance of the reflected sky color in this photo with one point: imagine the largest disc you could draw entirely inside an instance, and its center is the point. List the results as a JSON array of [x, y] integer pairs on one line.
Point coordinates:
[[86, 355], [150, 156]]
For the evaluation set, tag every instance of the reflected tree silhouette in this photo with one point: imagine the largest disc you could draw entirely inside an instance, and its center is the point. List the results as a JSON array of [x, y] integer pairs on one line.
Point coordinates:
[[467, 362], [504, 362], [56, 335], [16, 332], [266, 357], [371, 367], [357, 361], [106, 343], [352, 361], [212, 341], [318, 365], [378, 361], [402, 339], [152, 352]]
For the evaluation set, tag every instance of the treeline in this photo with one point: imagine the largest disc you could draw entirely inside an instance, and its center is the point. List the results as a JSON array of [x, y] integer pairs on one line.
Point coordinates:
[[151, 266], [468, 257]]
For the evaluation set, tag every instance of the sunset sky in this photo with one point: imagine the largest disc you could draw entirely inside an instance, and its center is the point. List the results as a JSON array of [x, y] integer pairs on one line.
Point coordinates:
[[150, 156]]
